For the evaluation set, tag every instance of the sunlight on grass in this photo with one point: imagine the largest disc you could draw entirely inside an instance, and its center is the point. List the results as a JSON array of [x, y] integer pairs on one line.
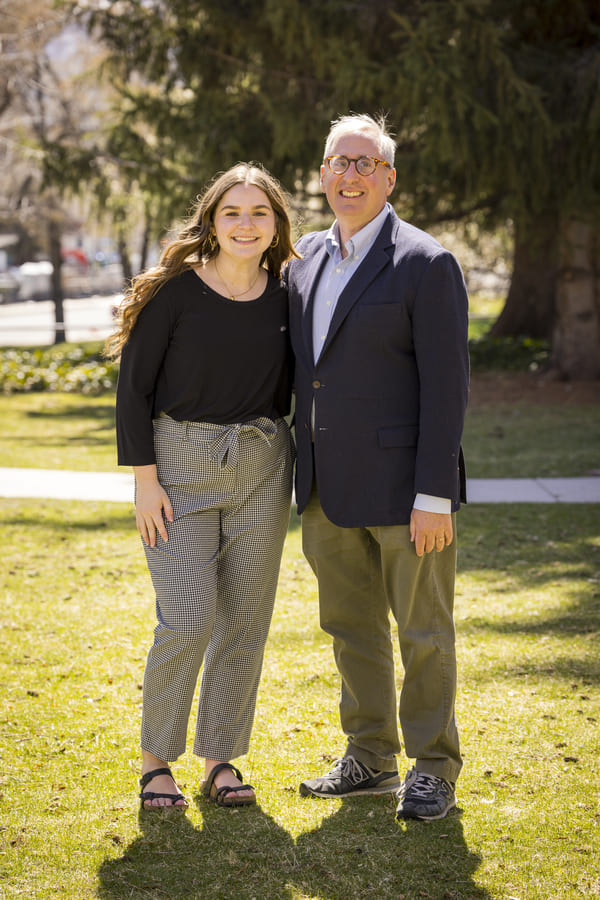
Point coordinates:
[[482, 304], [58, 431], [77, 618], [483, 312]]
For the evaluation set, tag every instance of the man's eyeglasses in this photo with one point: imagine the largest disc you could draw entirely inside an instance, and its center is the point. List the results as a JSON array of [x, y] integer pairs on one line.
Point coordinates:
[[365, 165]]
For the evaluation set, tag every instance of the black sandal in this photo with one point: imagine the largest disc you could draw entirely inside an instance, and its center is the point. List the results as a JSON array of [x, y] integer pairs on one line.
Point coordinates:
[[151, 795], [218, 795]]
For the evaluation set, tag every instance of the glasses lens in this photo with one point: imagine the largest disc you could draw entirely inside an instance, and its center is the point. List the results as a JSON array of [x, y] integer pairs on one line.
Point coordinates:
[[365, 165], [338, 164]]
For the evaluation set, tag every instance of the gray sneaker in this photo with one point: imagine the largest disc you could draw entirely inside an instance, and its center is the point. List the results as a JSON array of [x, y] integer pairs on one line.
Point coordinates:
[[349, 777], [425, 797]]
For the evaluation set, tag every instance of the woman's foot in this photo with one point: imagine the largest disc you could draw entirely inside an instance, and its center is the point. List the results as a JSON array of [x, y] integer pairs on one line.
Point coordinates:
[[227, 778], [163, 785]]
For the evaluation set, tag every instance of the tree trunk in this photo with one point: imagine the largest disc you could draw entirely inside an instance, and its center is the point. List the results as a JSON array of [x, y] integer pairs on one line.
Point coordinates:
[[126, 266], [55, 252], [530, 304], [145, 246], [576, 342]]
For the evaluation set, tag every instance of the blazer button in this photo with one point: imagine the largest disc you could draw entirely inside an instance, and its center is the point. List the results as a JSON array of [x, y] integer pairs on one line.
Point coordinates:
[[316, 384]]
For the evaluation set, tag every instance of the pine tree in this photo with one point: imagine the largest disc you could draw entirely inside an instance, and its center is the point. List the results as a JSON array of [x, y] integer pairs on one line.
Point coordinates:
[[496, 106]]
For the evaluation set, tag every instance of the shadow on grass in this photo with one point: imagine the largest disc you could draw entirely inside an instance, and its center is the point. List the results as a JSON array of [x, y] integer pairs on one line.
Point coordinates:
[[51, 517], [236, 853], [511, 549], [95, 438], [580, 615], [100, 410], [359, 851], [99, 428], [565, 669], [505, 536]]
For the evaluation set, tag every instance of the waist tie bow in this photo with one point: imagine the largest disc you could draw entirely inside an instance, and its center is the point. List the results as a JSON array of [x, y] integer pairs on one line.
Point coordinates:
[[224, 448]]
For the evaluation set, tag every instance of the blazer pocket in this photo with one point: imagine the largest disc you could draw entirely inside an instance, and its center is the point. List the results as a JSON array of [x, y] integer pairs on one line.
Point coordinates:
[[400, 436]]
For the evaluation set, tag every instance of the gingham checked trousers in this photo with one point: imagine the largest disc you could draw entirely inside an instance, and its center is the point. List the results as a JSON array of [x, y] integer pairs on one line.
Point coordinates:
[[215, 580]]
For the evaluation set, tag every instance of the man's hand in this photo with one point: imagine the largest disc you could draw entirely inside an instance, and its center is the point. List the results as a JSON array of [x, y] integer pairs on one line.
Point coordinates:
[[430, 531]]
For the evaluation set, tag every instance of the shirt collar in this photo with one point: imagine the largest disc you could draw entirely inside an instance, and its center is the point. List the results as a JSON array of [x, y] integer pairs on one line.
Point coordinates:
[[360, 243]]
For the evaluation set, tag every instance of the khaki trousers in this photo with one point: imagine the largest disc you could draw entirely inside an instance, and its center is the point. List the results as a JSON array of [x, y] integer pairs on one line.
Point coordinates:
[[363, 573]]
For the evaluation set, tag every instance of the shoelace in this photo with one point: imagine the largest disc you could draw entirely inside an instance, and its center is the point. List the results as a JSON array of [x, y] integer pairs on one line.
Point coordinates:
[[424, 786], [350, 769]]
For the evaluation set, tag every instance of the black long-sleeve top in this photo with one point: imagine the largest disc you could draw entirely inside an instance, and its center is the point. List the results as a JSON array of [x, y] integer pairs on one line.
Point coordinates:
[[198, 356]]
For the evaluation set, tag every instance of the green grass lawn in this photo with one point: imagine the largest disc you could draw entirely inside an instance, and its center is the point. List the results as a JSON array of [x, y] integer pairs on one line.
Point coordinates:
[[58, 431], [522, 440], [77, 619]]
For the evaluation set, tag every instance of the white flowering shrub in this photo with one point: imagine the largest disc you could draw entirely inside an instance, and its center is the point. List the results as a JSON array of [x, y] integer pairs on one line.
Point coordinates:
[[71, 369]]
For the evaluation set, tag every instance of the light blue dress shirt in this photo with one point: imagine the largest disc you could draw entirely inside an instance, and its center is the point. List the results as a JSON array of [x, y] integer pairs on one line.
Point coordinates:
[[336, 274]]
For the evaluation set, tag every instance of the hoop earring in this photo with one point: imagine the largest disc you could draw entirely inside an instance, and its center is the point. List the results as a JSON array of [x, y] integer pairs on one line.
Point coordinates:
[[275, 241]]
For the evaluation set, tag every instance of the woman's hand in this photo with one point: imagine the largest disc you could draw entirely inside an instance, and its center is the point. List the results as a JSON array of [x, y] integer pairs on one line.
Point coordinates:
[[152, 505]]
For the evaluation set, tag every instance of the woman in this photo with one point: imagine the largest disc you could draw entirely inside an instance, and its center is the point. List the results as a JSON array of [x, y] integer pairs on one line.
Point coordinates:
[[203, 386]]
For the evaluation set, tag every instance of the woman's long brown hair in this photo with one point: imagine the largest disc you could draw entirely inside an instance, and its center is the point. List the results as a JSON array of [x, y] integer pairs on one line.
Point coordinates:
[[194, 243]]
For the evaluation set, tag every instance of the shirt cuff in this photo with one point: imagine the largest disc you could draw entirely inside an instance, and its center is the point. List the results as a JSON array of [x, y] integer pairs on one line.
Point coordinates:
[[428, 503]]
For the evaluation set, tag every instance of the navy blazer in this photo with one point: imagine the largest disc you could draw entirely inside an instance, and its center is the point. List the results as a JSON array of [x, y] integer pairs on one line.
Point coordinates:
[[391, 384]]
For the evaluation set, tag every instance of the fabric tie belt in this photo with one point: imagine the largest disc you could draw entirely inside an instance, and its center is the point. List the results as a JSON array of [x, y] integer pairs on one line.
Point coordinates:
[[224, 448]]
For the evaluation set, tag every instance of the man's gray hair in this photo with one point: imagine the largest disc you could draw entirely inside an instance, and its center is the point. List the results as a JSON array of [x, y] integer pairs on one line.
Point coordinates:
[[361, 123]]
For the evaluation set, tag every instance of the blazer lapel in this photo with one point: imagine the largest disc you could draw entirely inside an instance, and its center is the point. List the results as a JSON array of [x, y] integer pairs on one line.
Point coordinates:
[[315, 268]]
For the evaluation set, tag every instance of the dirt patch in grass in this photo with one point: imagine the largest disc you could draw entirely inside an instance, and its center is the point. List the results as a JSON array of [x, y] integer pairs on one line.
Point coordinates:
[[531, 387]]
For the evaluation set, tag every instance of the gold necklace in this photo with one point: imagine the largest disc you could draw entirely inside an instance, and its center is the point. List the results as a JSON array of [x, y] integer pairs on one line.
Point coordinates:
[[233, 296]]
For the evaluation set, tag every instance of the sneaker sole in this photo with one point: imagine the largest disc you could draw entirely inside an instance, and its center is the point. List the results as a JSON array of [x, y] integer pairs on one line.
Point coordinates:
[[387, 789], [402, 816]]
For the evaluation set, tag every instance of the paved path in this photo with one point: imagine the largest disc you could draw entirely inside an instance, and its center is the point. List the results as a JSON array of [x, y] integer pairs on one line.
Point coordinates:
[[59, 484], [118, 487]]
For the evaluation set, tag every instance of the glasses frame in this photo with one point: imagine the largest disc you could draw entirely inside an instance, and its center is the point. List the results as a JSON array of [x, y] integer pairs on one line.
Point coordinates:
[[378, 162]]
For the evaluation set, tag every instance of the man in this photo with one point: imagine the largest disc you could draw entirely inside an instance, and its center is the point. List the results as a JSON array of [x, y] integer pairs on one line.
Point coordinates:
[[378, 320]]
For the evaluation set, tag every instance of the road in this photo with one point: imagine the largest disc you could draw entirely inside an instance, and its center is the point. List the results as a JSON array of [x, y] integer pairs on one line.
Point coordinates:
[[31, 323]]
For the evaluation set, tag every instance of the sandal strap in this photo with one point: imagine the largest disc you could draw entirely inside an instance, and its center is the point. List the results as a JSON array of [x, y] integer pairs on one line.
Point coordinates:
[[228, 789], [151, 795], [219, 768], [147, 778]]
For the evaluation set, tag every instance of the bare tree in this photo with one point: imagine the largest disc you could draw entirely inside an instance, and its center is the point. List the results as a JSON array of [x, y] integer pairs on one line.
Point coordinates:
[[30, 112], [54, 121]]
